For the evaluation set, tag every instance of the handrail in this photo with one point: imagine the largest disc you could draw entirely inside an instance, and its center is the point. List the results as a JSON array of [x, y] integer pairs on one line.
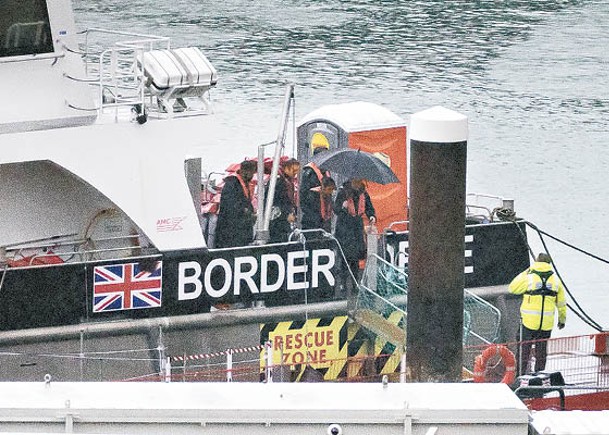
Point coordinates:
[[392, 224], [83, 254], [122, 33], [76, 244], [468, 206], [52, 244], [29, 57], [24, 245], [484, 195]]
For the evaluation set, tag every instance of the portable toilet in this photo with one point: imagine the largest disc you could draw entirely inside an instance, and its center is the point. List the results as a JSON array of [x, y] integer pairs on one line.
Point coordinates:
[[368, 127]]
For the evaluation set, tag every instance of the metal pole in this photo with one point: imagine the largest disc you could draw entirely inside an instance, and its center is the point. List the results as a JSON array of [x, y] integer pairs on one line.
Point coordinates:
[[372, 239], [289, 95], [520, 368], [168, 370], [281, 365], [403, 367], [82, 355], [261, 236], [269, 362], [260, 193], [161, 349], [229, 365]]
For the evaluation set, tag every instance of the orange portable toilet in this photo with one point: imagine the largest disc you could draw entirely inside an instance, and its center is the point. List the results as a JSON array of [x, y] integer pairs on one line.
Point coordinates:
[[368, 127]]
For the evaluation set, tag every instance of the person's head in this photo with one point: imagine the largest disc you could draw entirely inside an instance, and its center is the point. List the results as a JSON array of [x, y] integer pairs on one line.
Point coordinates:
[[247, 169], [319, 150], [543, 258], [358, 184], [290, 167], [319, 143], [328, 186]]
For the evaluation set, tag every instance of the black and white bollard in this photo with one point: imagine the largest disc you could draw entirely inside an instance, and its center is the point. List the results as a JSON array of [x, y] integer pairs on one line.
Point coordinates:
[[438, 153]]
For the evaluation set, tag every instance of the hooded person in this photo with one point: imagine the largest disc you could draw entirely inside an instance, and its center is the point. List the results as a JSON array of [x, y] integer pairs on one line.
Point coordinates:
[[285, 202], [352, 203], [543, 295], [320, 212], [311, 186], [236, 217]]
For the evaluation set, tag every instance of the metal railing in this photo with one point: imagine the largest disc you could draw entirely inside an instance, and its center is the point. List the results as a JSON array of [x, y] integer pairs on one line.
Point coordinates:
[[74, 250], [113, 63], [576, 358]]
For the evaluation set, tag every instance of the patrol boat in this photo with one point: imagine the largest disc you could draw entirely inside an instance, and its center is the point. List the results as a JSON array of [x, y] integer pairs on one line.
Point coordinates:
[[105, 270]]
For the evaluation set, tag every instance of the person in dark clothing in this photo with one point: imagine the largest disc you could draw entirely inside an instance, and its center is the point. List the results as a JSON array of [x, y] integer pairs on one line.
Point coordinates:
[[283, 214], [235, 226], [310, 192], [319, 213], [351, 204]]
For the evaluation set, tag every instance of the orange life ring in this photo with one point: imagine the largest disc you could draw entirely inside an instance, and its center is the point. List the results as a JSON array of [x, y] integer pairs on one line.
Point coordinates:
[[509, 361]]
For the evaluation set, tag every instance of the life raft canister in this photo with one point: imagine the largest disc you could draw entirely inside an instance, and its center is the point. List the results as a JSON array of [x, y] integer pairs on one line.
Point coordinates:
[[507, 357]]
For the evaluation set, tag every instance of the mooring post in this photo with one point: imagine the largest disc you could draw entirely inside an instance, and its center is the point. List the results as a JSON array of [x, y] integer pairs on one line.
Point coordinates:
[[438, 153]]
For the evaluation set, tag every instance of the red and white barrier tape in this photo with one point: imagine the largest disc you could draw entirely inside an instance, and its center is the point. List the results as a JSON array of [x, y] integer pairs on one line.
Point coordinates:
[[216, 354]]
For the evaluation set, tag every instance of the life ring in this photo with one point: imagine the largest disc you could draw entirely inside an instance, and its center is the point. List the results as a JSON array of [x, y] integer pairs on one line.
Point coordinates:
[[509, 361]]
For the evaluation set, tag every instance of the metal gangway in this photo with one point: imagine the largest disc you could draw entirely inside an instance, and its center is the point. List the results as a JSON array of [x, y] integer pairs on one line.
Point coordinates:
[[381, 308]]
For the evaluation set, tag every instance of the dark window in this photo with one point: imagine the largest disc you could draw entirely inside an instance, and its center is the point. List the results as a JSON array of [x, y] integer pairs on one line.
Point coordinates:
[[24, 28]]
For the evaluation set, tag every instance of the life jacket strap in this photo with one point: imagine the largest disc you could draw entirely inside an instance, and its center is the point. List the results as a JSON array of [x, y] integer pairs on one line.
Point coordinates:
[[544, 290]]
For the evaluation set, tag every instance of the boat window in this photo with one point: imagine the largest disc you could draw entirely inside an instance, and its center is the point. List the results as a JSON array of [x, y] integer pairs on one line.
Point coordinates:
[[24, 28]]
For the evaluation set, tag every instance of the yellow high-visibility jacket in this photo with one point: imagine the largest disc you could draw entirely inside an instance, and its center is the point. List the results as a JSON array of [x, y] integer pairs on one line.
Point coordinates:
[[538, 307]]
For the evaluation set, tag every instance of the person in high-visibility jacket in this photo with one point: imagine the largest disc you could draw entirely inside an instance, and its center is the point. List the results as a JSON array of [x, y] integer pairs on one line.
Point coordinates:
[[542, 295]]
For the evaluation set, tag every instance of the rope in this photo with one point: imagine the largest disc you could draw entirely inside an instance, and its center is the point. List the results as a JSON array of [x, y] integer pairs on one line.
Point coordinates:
[[582, 314], [503, 214], [539, 231]]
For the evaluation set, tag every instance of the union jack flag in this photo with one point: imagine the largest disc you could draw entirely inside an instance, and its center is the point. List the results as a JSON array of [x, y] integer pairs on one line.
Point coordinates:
[[125, 287]]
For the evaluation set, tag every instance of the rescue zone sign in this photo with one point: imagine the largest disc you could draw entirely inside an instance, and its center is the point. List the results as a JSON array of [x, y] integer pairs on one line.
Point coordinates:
[[318, 342]]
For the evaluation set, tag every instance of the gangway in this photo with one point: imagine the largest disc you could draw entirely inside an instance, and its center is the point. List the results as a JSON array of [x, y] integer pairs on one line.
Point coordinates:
[[381, 305]]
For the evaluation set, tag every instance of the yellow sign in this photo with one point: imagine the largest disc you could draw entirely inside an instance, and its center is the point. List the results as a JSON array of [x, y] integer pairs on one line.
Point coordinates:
[[316, 342]]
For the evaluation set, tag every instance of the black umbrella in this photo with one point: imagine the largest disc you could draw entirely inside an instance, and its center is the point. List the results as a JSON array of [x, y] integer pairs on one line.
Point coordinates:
[[353, 164]]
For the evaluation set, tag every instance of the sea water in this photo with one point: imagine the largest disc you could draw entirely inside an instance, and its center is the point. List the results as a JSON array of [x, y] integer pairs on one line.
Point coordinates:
[[532, 77]]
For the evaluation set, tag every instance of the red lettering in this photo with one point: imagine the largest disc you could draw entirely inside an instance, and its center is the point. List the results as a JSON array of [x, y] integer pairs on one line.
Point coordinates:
[[298, 340], [298, 358], [313, 341], [308, 339], [313, 356], [319, 338]]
